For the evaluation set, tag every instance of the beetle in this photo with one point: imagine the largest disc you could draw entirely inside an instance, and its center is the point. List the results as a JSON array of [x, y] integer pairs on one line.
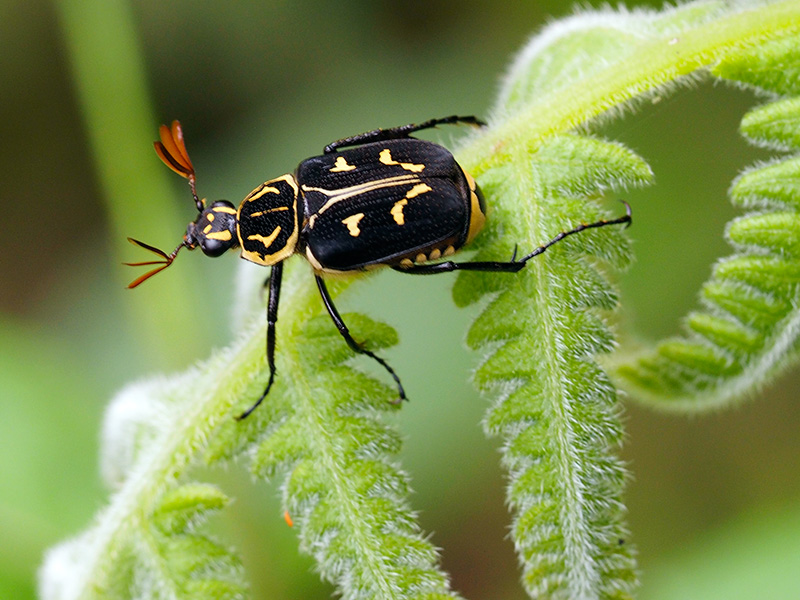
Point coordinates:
[[380, 198]]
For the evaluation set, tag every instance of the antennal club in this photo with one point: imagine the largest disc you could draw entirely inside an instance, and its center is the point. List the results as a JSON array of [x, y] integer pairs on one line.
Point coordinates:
[[172, 151], [162, 264]]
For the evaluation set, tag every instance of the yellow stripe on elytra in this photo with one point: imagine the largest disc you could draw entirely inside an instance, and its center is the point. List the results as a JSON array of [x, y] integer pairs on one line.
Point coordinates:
[[352, 224], [267, 241], [341, 165], [386, 158], [418, 189], [397, 208], [397, 211], [340, 194]]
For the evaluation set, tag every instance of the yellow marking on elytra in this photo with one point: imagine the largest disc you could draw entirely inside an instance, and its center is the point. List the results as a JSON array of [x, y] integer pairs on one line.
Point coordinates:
[[270, 210], [418, 189], [338, 195], [267, 241], [207, 228], [341, 165], [224, 209], [397, 208], [397, 211], [222, 236], [352, 224], [470, 181], [476, 217], [386, 158]]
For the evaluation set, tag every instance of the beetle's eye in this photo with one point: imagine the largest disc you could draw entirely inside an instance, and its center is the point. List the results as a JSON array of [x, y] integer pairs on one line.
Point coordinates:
[[213, 248]]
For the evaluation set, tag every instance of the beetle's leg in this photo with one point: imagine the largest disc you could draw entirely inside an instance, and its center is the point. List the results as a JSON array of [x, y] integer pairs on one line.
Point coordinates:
[[355, 346], [513, 265], [274, 284], [394, 133]]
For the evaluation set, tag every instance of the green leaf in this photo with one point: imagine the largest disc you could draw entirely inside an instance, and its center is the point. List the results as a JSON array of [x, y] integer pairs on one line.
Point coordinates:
[[324, 431], [553, 405], [772, 66], [774, 125], [749, 328]]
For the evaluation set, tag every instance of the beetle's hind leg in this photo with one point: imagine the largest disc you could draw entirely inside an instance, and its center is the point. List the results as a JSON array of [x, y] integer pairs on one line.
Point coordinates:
[[513, 265], [394, 133], [355, 346]]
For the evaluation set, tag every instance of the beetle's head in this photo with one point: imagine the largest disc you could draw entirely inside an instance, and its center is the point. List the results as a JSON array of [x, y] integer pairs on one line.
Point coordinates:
[[214, 230]]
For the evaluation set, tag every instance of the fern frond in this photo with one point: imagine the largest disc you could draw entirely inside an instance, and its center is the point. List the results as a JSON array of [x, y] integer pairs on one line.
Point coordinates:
[[749, 326], [555, 408], [345, 494], [147, 544], [323, 428]]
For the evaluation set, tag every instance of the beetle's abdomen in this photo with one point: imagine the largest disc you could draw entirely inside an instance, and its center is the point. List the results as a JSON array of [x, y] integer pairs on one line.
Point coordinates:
[[383, 203]]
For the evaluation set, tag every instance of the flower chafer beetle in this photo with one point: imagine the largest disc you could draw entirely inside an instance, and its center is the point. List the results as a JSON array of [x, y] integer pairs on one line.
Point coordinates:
[[389, 199]]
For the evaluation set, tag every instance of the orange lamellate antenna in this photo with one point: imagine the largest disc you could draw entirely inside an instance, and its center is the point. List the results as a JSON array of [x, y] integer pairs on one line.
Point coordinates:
[[162, 264], [172, 151]]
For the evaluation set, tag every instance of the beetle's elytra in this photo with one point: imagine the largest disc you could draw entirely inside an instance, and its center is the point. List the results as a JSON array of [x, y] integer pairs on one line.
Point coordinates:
[[381, 198]]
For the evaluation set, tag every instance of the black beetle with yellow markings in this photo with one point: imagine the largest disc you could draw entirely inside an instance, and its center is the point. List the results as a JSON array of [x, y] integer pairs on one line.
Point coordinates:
[[388, 200]]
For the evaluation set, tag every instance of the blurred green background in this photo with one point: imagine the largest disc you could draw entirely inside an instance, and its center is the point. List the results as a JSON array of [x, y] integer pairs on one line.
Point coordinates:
[[259, 86]]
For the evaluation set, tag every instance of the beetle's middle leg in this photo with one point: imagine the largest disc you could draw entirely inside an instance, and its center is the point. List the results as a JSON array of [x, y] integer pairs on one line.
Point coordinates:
[[355, 346]]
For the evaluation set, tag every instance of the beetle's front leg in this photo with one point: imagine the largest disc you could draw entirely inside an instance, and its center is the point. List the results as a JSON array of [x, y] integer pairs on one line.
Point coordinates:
[[274, 283]]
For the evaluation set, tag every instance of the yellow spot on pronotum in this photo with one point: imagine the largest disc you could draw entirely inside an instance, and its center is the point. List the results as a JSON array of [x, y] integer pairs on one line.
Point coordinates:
[[222, 236], [352, 224], [207, 228], [397, 211], [341, 165], [210, 217], [386, 158], [267, 241], [224, 209], [271, 210]]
